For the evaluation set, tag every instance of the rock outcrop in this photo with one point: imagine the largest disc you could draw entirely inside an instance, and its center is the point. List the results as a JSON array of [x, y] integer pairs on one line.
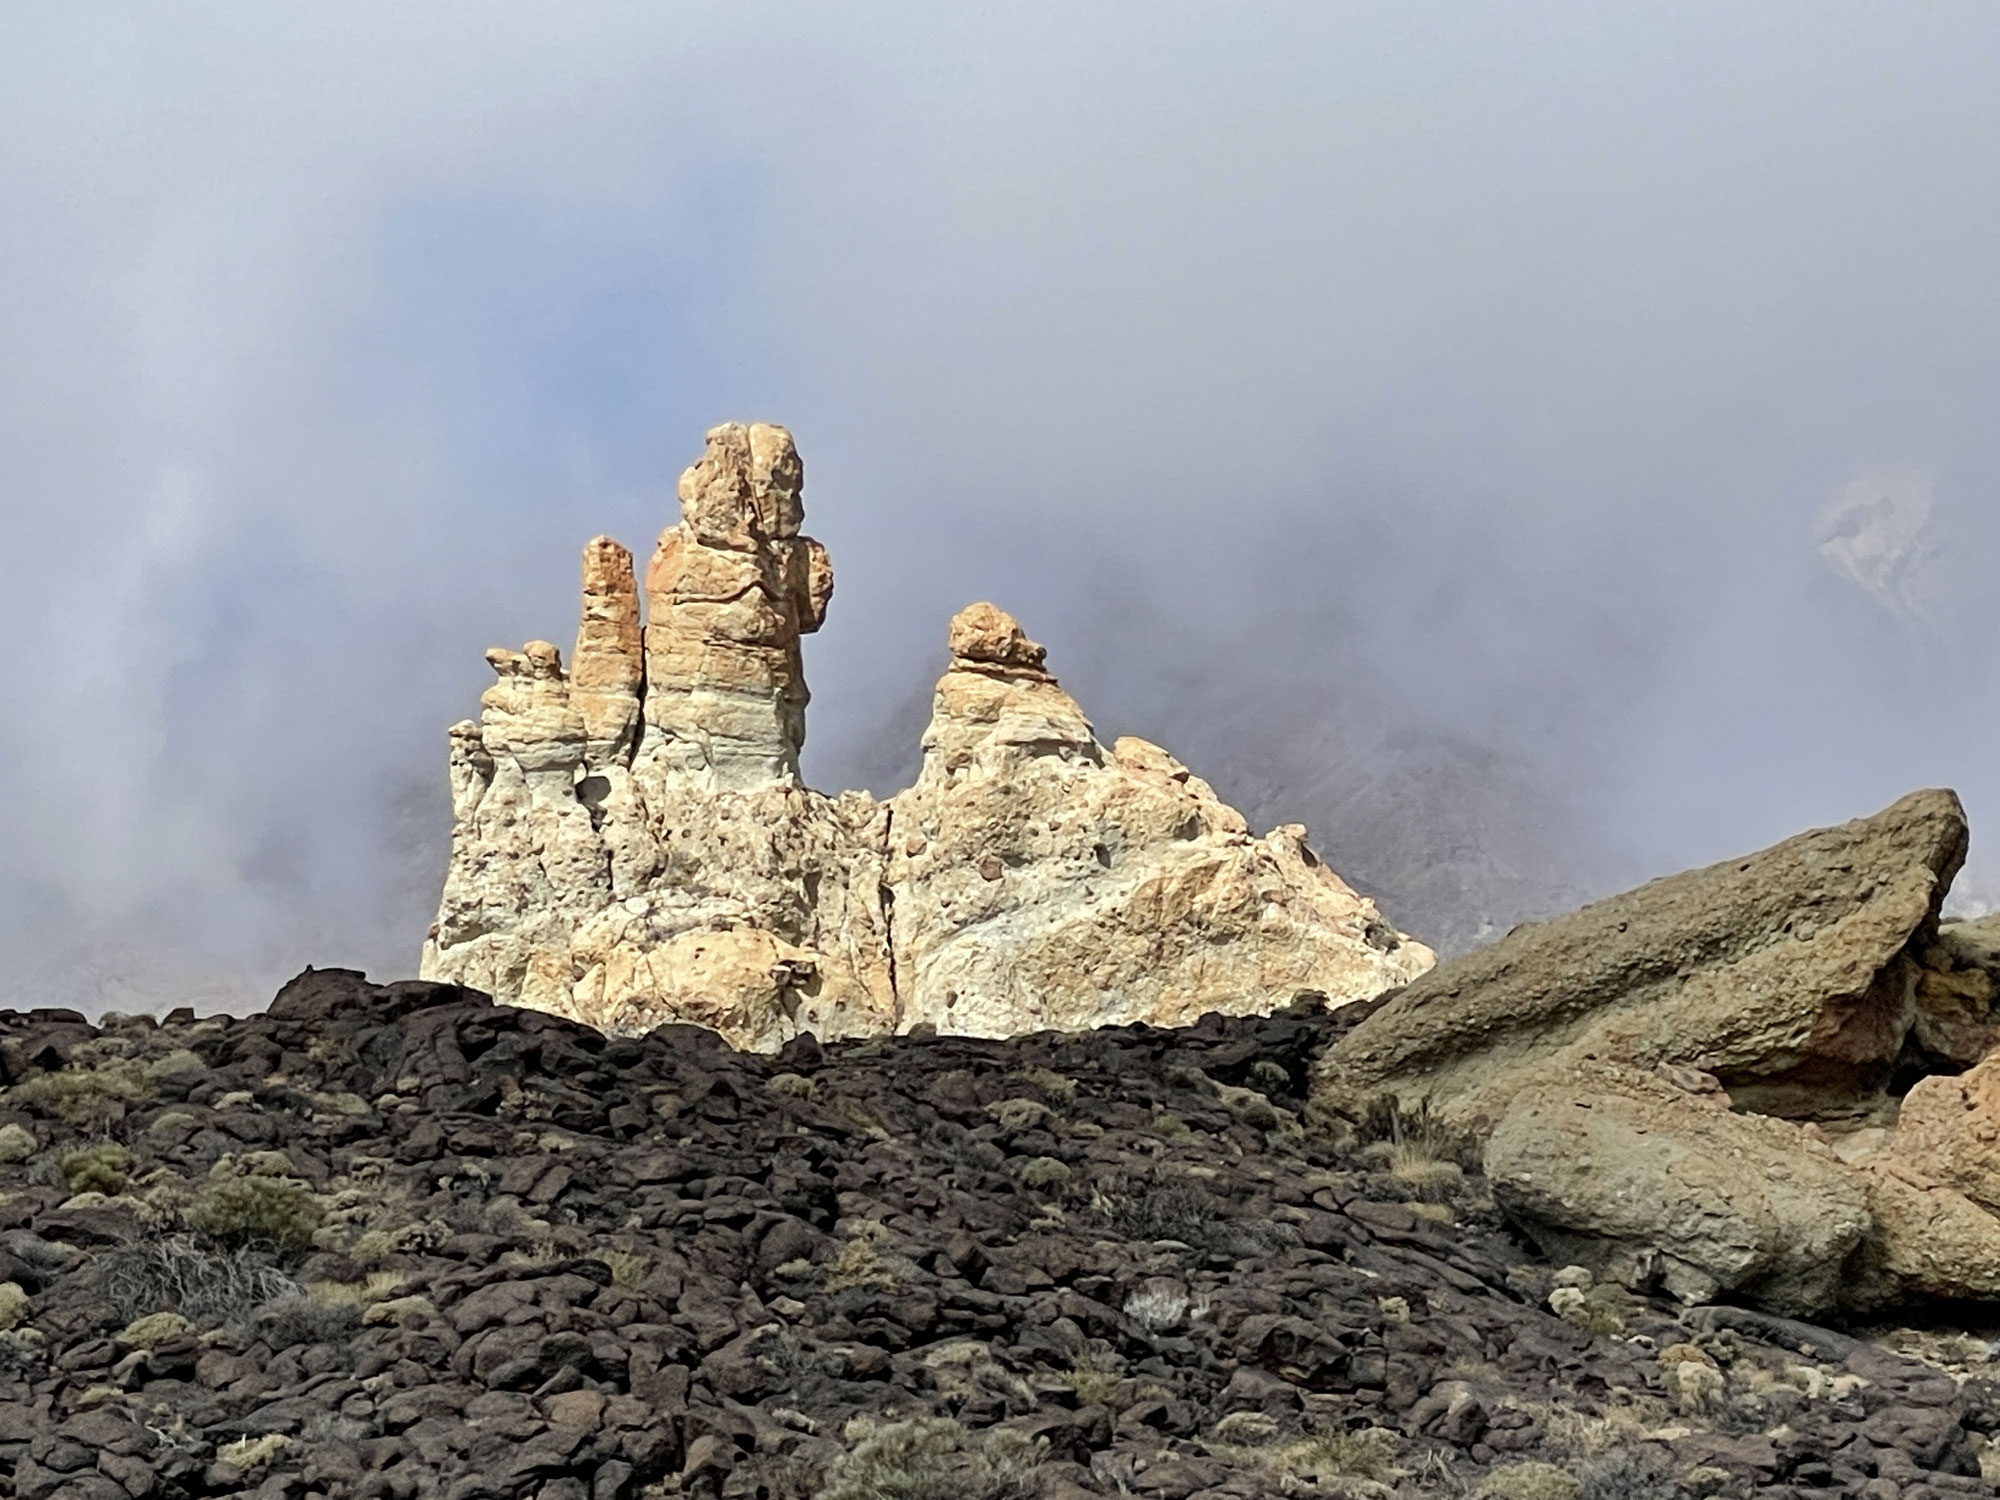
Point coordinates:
[[633, 844], [1740, 1081], [1791, 976]]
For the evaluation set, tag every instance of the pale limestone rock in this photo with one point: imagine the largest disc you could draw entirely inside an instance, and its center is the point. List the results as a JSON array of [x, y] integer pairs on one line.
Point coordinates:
[[609, 664], [729, 591], [633, 845], [1043, 881]]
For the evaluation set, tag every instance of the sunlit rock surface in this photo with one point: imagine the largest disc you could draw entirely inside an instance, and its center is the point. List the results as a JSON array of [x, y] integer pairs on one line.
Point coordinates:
[[633, 844]]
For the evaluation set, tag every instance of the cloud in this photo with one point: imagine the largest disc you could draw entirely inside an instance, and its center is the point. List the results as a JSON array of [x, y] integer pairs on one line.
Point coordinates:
[[1361, 378]]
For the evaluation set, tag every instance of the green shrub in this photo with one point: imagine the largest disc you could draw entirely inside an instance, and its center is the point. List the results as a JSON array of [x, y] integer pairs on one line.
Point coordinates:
[[101, 1168], [1043, 1172], [1055, 1085], [933, 1458], [268, 1213]]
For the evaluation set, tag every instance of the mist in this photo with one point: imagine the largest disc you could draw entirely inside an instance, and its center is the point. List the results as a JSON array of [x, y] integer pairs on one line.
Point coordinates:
[[1539, 447]]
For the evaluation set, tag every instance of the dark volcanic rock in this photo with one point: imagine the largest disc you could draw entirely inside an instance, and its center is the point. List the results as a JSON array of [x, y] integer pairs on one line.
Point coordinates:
[[395, 1242]]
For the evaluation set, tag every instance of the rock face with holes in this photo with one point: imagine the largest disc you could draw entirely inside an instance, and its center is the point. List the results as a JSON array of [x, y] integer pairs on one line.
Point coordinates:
[[633, 844]]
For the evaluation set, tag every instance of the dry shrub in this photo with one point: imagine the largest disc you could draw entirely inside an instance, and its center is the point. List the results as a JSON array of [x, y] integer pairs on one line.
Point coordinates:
[[1422, 1134], [89, 1098], [933, 1458], [1529, 1480], [180, 1274]]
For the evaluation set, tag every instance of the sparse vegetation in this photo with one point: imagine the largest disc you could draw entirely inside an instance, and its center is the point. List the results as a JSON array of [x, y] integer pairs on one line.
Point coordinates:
[[180, 1274], [1055, 1085], [301, 1318], [1157, 1308], [1422, 1136], [933, 1458], [102, 1167], [859, 1263], [1017, 1114], [1628, 1474], [1367, 1453], [1530, 1479], [88, 1098], [275, 1214], [1095, 1374], [792, 1085], [250, 1453], [1183, 1213], [1044, 1172], [628, 1268]]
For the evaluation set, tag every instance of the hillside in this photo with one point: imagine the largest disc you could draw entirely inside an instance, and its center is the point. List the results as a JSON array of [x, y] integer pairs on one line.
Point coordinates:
[[399, 1242]]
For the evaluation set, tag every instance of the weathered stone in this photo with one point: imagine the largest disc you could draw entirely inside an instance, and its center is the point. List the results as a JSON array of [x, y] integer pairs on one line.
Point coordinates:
[[632, 845], [1640, 1180], [1790, 976], [1043, 881], [1957, 986], [609, 666]]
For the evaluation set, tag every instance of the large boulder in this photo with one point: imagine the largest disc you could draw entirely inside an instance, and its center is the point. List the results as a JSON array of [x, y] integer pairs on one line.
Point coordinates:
[[1790, 976], [1654, 1181]]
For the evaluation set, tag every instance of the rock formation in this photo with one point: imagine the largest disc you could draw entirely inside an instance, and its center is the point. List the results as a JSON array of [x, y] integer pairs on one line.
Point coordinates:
[[1791, 976], [633, 845], [1735, 1081]]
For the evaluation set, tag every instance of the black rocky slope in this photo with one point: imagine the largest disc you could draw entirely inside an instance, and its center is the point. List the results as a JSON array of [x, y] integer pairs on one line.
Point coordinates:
[[398, 1242]]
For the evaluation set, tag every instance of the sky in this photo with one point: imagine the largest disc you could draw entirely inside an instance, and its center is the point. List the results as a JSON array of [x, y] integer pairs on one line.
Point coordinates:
[[1606, 389]]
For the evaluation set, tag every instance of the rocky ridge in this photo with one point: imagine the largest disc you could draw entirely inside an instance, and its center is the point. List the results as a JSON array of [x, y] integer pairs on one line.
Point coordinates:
[[399, 1242], [633, 845]]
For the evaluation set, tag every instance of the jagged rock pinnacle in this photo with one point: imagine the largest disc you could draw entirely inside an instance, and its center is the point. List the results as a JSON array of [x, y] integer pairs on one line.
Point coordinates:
[[633, 845]]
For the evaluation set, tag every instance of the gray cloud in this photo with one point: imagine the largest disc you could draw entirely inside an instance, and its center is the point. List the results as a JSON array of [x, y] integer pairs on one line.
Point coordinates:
[[1421, 418]]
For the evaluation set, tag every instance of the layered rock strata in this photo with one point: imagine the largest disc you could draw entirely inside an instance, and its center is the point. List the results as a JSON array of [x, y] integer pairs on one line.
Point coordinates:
[[633, 844], [1741, 1081]]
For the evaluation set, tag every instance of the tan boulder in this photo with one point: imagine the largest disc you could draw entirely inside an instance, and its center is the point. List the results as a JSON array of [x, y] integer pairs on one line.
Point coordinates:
[[1927, 1242], [1948, 1133], [1657, 1185], [1791, 976]]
